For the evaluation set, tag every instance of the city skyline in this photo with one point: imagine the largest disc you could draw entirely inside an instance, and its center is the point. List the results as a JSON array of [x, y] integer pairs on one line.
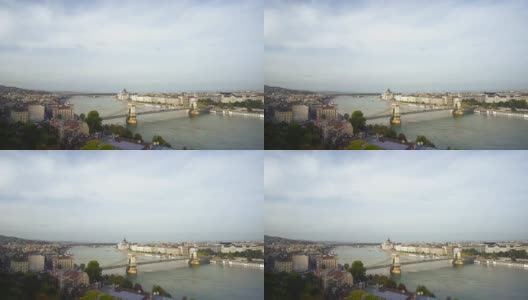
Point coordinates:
[[368, 197], [103, 198], [145, 47], [408, 46]]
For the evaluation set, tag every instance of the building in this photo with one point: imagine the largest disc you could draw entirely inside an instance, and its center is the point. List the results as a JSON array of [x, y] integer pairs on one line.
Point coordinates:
[[388, 95], [19, 266], [300, 113], [36, 263], [283, 266], [70, 278], [36, 113], [64, 112], [123, 245], [19, 116], [387, 245], [300, 262], [64, 262], [327, 112], [283, 116], [326, 262]]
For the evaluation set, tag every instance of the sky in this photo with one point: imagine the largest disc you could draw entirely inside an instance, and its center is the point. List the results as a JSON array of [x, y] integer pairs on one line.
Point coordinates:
[[144, 46], [408, 46], [145, 197], [408, 197]]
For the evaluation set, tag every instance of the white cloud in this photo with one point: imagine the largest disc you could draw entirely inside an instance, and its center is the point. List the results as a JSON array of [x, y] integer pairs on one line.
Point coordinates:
[[412, 45], [198, 195], [366, 197]]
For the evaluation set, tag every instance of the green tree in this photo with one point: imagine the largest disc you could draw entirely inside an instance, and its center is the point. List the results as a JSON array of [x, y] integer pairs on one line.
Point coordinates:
[[160, 140], [94, 121], [346, 117], [424, 140], [358, 271], [94, 271], [82, 116], [358, 121], [160, 290], [138, 137], [82, 267], [424, 291], [138, 287]]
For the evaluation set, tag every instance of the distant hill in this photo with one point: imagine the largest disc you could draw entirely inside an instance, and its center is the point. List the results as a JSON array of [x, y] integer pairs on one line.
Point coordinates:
[[10, 239], [11, 89], [275, 89]]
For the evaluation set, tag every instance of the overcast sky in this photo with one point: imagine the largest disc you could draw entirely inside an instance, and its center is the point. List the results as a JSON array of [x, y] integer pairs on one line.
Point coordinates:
[[368, 46], [419, 196], [139, 45], [155, 196]]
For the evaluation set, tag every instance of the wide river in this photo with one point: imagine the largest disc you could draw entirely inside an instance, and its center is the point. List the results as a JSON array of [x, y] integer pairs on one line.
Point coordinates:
[[473, 131], [202, 282], [467, 282], [209, 131]]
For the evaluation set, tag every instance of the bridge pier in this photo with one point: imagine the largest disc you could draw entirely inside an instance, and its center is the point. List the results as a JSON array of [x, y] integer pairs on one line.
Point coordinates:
[[395, 268], [132, 269], [457, 261], [396, 119], [131, 118]]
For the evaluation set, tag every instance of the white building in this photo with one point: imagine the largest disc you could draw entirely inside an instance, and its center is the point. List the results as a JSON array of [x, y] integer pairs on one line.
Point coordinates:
[[300, 263], [36, 113], [36, 263], [300, 113]]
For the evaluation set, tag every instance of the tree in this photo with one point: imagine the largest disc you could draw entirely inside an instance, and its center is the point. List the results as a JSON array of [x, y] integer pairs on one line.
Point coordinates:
[[94, 271], [358, 121], [160, 290], [94, 121], [424, 291], [82, 116], [402, 286], [138, 137], [160, 140], [346, 117], [82, 267], [424, 140], [358, 271], [138, 287], [346, 267], [402, 137]]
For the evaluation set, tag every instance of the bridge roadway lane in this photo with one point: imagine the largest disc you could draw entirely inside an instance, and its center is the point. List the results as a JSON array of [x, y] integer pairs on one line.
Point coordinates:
[[144, 263], [408, 113], [143, 113], [407, 263]]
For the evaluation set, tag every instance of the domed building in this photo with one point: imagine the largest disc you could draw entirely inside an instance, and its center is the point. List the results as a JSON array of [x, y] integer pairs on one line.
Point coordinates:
[[123, 245]]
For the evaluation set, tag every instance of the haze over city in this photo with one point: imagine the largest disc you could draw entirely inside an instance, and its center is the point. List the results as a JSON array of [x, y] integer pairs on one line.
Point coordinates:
[[62, 196], [421, 196], [105, 46], [409, 46]]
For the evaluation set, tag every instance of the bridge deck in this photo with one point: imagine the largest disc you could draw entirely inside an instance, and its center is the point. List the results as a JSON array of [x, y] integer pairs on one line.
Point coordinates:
[[407, 263], [144, 113], [144, 263], [408, 113]]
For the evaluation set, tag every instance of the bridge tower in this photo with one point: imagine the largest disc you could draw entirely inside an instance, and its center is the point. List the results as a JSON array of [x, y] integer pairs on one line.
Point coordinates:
[[395, 268], [457, 103], [194, 257], [457, 261], [131, 269], [395, 119], [131, 118]]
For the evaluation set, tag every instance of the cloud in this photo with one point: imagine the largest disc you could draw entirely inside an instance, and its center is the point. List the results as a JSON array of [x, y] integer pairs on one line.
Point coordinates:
[[409, 196], [186, 196], [409, 45], [143, 45]]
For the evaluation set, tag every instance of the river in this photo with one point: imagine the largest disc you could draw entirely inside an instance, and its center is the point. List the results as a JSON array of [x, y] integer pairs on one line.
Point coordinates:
[[204, 282], [473, 131], [209, 131], [467, 282]]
